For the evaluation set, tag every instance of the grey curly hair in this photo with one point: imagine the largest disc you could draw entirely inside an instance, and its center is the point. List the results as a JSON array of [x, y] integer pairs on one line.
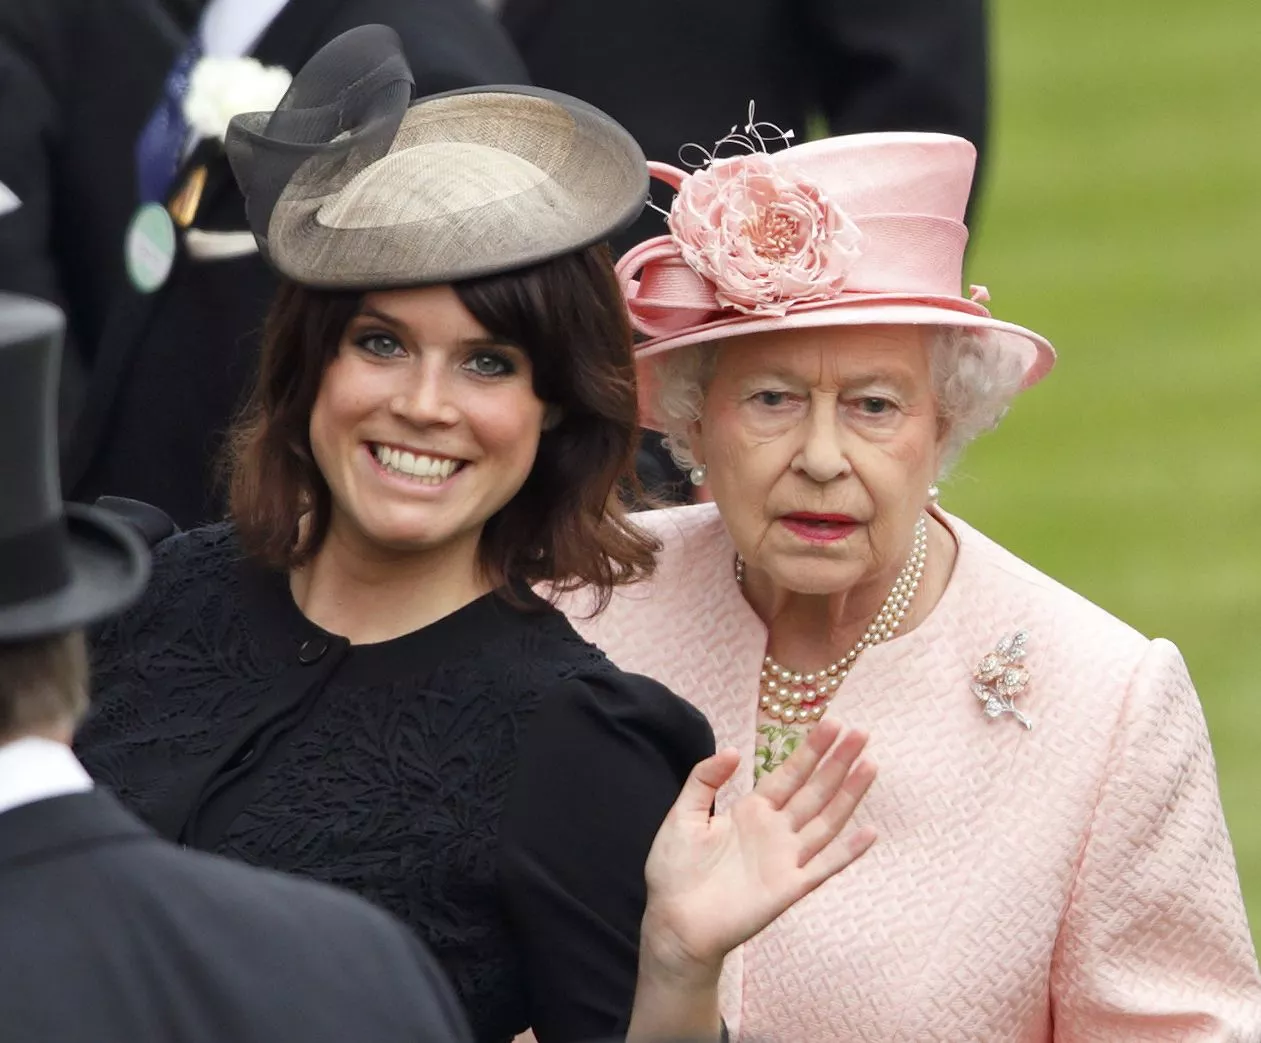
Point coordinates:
[[974, 381]]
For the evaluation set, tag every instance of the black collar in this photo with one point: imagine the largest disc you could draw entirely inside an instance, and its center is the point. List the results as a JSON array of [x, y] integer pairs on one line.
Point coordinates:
[[278, 625], [49, 828]]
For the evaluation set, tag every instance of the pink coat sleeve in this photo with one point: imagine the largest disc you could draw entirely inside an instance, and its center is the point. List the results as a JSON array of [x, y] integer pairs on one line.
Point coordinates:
[[1155, 942]]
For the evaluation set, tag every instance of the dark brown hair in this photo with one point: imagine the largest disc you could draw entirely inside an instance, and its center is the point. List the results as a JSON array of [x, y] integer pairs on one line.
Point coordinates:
[[567, 526], [43, 684]]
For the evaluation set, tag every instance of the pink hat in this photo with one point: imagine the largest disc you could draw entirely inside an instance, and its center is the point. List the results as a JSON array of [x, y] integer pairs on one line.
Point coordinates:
[[860, 230]]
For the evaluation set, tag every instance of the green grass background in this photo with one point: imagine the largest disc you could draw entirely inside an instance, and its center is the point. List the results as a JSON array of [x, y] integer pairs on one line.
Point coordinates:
[[1121, 216]]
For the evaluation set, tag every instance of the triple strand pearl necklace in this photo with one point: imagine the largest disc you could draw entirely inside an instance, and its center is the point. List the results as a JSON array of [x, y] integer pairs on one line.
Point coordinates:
[[792, 697]]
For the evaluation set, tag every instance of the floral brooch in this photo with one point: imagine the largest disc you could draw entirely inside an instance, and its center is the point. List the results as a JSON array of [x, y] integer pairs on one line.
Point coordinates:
[[1001, 676]]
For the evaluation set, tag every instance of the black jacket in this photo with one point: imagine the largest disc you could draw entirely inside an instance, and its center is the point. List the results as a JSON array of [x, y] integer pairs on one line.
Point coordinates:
[[491, 779], [173, 366], [114, 936], [78, 79]]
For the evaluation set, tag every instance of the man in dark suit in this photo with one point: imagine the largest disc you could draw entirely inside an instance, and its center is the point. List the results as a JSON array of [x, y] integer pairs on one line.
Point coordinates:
[[112, 935], [77, 81], [676, 72], [174, 364]]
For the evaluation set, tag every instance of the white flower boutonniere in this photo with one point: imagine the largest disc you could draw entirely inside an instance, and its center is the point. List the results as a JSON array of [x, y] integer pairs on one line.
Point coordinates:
[[220, 88]]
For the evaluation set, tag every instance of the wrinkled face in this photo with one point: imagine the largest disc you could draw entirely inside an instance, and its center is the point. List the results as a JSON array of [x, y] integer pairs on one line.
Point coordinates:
[[424, 425], [820, 446]]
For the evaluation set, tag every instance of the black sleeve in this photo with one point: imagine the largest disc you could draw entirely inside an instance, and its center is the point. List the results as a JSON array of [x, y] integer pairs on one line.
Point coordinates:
[[599, 768], [30, 130], [30, 138], [901, 65], [153, 523]]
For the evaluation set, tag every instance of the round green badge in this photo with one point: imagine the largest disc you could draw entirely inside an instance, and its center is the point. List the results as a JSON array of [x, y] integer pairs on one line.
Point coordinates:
[[150, 247]]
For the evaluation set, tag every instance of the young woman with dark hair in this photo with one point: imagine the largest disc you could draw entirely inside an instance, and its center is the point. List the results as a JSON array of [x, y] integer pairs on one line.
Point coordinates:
[[353, 678], [563, 525]]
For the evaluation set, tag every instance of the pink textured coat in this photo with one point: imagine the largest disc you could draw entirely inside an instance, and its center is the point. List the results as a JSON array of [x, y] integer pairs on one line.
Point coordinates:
[[1070, 883]]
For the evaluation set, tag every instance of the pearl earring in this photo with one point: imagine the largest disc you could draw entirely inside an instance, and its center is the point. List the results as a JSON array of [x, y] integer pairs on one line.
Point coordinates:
[[698, 474], [933, 493]]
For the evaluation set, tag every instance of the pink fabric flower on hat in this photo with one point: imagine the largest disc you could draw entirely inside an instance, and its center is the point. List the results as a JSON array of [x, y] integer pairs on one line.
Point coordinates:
[[766, 237]]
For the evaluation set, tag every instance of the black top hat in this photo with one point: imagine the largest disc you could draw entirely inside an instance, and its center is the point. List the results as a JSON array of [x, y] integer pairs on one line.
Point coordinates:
[[62, 567]]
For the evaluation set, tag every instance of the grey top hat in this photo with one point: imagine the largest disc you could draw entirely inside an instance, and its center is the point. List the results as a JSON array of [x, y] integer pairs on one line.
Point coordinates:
[[62, 567], [350, 184]]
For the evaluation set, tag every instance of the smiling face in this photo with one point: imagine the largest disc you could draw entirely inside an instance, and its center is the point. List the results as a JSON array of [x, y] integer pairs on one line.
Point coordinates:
[[424, 425], [820, 446]]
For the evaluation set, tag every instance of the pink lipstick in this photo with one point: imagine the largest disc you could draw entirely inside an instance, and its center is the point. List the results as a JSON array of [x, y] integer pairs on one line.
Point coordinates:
[[819, 528]]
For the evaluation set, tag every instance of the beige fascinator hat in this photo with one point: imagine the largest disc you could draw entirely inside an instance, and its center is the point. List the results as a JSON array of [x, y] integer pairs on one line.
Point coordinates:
[[350, 184]]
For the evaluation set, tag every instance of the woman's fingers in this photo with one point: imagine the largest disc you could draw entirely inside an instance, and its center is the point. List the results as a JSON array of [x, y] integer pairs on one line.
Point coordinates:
[[840, 853], [703, 783], [823, 785], [781, 785], [823, 830]]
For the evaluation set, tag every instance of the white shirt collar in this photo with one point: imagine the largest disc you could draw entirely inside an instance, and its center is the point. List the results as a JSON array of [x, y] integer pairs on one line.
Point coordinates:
[[232, 28], [35, 769], [8, 199]]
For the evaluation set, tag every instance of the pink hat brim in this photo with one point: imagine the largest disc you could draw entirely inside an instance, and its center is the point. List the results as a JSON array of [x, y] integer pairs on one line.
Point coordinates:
[[1035, 352]]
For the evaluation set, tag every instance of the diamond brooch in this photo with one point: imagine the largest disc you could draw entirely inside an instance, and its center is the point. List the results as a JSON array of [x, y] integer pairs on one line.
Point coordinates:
[[1001, 676]]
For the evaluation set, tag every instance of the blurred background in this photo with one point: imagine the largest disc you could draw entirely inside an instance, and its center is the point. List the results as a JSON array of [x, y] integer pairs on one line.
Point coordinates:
[[1120, 217]]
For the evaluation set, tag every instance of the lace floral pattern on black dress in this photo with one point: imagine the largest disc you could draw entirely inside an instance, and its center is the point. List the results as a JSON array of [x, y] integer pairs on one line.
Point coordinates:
[[491, 779]]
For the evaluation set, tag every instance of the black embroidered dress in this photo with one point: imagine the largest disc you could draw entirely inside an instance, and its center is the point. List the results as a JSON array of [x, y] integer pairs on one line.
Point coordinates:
[[491, 779]]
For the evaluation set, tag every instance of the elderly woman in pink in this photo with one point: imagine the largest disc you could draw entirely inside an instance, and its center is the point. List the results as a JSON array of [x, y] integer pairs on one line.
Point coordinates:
[[1051, 862]]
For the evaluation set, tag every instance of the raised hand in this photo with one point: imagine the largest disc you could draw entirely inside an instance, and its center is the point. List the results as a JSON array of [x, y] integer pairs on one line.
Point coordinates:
[[715, 882]]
